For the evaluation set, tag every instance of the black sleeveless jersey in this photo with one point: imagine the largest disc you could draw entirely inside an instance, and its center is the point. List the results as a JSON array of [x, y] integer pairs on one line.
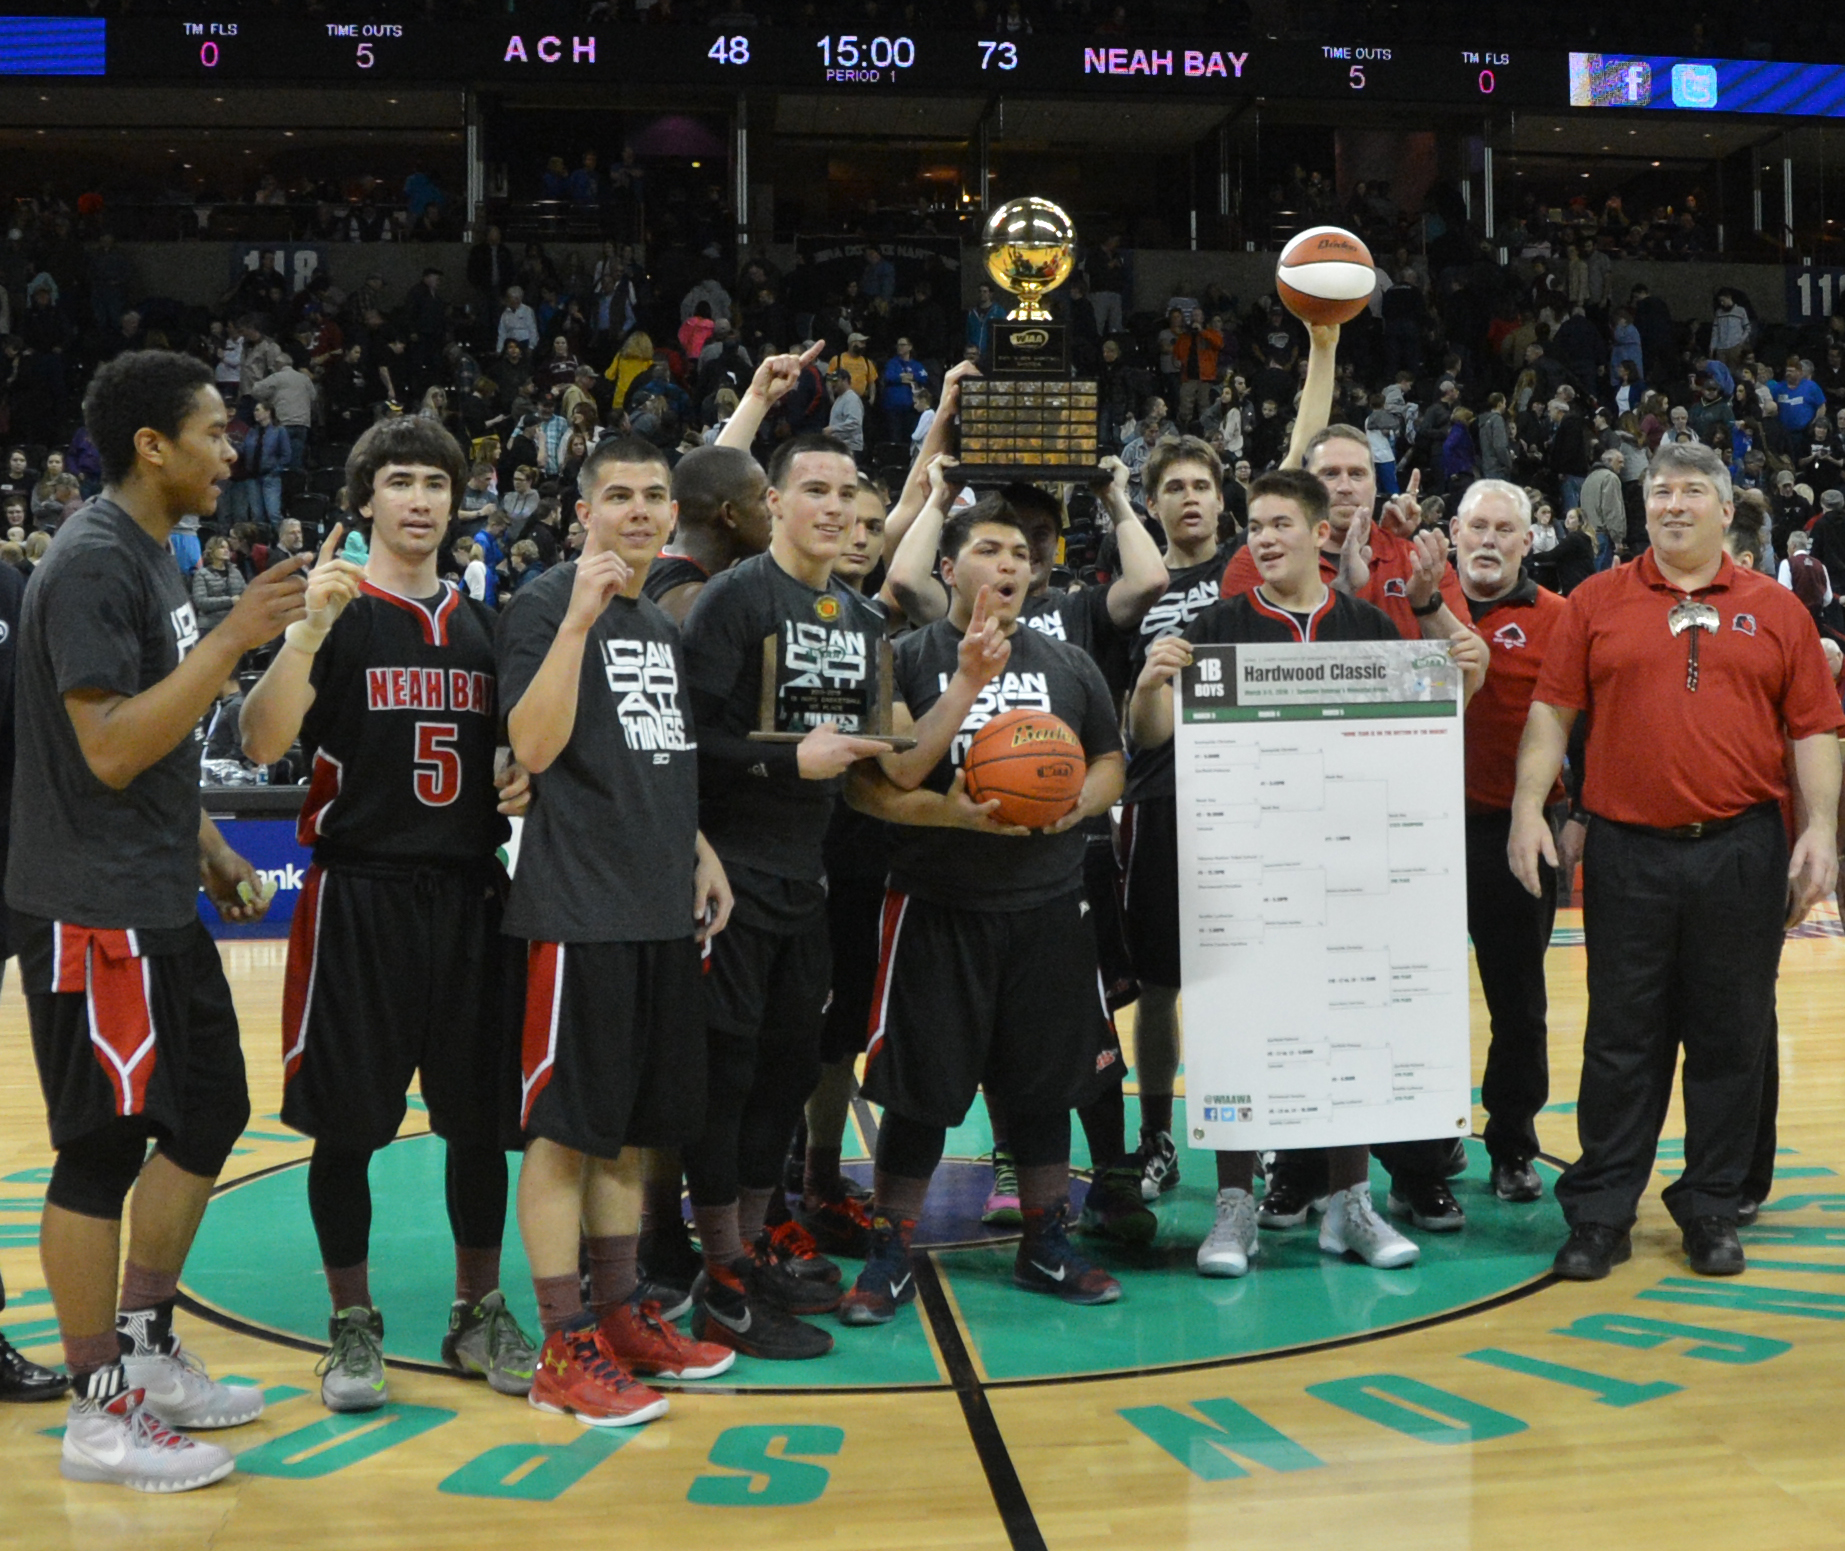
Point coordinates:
[[668, 572], [402, 733]]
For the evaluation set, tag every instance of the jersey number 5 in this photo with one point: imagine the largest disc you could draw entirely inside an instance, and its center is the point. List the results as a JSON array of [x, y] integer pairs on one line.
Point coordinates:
[[438, 766]]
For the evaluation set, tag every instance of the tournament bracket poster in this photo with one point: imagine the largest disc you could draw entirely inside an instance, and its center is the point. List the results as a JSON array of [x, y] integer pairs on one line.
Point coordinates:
[[1322, 894]]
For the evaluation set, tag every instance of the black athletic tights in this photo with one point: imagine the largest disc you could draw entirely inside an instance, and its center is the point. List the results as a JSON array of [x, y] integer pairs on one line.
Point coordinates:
[[340, 1200], [910, 1149]]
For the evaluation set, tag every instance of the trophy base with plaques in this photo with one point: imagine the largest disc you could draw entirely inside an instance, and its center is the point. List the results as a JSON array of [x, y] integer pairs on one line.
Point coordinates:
[[847, 706]]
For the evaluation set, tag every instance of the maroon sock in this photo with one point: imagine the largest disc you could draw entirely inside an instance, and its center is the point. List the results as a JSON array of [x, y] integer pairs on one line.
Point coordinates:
[[560, 1301], [1044, 1186], [820, 1180], [350, 1286], [477, 1273], [84, 1355], [718, 1235], [752, 1207], [145, 1289], [898, 1197], [613, 1271]]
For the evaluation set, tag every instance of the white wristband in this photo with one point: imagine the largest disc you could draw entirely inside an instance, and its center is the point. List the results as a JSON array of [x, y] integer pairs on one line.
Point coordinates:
[[304, 637]]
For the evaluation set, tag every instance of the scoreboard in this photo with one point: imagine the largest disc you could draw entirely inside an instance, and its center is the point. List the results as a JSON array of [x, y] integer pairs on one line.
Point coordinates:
[[1198, 66]]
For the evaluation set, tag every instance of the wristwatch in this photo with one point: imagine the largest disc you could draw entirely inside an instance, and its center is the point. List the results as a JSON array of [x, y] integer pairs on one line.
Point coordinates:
[[1434, 606]]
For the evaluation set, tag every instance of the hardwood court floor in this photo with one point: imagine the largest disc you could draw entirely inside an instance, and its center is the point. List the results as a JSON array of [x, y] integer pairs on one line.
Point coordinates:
[[1471, 1402]]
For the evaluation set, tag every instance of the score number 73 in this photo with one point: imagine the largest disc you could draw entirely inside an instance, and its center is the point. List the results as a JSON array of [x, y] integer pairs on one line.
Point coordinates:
[[995, 55]]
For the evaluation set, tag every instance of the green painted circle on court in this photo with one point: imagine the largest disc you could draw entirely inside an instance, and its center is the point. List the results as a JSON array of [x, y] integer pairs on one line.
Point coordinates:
[[256, 1262]]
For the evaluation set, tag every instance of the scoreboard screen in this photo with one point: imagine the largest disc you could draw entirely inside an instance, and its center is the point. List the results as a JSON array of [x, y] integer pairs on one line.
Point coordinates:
[[1199, 66]]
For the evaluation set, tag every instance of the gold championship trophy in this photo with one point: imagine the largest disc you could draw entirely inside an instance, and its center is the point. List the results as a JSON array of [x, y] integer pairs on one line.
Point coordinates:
[[1026, 419]]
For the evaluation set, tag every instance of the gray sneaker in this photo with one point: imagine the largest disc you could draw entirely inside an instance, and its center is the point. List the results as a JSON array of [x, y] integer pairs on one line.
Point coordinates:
[[1352, 1226], [1231, 1242], [111, 1436], [176, 1388], [485, 1342], [352, 1372]]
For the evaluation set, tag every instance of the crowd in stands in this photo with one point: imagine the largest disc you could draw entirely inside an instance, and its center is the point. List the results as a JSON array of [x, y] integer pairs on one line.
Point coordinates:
[[1547, 370]]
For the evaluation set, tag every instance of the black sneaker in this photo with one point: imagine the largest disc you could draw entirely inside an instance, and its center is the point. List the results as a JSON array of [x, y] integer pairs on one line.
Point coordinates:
[[771, 1277], [723, 1312], [1286, 1202], [1594, 1249], [1714, 1249], [886, 1283], [1516, 1180], [839, 1227], [1428, 1204], [1113, 1209], [675, 1302], [799, 1251], [1159, 1165], [1048, 1262]]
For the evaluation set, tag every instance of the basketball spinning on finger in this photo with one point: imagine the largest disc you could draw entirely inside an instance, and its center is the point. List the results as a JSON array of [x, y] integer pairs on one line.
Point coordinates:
[[1325, 275], [1032, 762]]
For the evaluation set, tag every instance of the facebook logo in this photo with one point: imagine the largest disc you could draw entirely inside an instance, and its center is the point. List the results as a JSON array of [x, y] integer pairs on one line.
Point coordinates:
[[1694, 86]]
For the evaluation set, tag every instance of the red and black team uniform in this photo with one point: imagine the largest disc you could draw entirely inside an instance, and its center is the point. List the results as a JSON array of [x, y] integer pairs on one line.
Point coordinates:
[[668, 572], [1392, 564], [132, 1023], [394, 964], [770, 972], [988, 966], [612, 1052], [1147, 845]]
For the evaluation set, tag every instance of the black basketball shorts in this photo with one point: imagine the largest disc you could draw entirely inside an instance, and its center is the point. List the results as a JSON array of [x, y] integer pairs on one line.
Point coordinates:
[[853, 911], [395, 971], [127, 1024], [1148, 851], [612, 1054], [1009, 999]]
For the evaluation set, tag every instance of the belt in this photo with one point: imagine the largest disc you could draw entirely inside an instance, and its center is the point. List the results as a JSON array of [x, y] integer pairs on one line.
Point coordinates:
[[1702, 830]]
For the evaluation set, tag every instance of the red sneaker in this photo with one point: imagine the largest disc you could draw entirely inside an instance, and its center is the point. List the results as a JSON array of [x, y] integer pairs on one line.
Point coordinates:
[[579, 1376], [638, 1337]]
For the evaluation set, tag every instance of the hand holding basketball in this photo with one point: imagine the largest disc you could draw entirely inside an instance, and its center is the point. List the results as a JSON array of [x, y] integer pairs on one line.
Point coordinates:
[[1325, 275], [1032, 762]]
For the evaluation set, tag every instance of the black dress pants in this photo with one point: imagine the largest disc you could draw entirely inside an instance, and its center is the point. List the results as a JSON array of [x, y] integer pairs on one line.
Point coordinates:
[[1684, 944]]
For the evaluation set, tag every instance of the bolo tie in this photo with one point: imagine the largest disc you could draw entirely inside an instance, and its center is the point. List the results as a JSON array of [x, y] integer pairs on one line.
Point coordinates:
[[1692, 615]]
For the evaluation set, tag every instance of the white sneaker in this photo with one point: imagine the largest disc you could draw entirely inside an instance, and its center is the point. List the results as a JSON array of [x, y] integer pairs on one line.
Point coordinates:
[[113, 1437], [1352, 1226], [1232, 1239], [176, 1387]]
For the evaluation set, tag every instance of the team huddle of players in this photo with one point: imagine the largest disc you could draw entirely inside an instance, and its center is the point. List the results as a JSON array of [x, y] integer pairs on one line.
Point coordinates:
[[706, 931]]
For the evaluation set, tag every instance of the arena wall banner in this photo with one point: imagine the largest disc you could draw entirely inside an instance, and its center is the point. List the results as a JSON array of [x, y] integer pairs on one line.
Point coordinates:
[[1322, 895], [839, 259]]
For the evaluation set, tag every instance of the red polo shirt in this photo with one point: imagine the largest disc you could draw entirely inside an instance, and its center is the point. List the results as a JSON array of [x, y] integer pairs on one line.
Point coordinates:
[[1392, 560], [1517, 629], [1660, 754]]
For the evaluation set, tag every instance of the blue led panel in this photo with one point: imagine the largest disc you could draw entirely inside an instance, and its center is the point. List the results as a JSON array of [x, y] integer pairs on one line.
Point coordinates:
[[52, 45]]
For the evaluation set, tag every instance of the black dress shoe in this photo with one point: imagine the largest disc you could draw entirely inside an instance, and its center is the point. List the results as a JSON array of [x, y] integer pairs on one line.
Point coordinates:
[[1714, 1249], [1594, 1249], [1516, 1181], [1747, 1211], [1428, 1203], [23, 1380]]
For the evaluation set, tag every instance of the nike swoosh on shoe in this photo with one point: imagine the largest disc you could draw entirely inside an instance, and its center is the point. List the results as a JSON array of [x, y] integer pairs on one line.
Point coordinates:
[[1055, 1276]]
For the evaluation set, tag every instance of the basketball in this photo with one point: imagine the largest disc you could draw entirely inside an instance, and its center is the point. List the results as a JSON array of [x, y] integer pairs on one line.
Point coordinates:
[[1325, 275], [1031, 762]]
